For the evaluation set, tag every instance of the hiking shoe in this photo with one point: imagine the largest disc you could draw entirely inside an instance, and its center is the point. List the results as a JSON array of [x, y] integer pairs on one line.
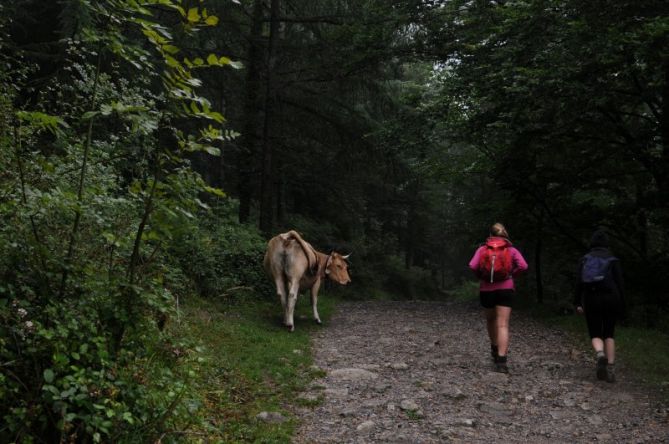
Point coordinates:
[[610, 373], [500, 364], [601, 368], [494, 352]]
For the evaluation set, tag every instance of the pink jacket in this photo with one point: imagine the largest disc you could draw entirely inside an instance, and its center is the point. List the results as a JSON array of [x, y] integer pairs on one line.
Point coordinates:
[[519, 265]]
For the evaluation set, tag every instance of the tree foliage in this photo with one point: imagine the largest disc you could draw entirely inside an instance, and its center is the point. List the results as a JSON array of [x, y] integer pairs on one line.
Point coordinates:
[[565, 103], [96, 184]]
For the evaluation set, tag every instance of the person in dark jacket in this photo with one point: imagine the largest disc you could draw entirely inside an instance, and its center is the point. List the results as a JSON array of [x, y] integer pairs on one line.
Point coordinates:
[[602, 300]]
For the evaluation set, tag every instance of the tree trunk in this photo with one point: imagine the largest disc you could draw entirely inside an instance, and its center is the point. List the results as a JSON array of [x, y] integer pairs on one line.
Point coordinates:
[[267, 189], [538, 246], [248, 151], [663, 180], [280, 200], [409, 238]]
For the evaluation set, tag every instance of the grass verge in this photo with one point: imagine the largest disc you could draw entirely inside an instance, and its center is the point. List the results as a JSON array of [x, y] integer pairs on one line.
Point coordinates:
[[643, 351], [248, 363]]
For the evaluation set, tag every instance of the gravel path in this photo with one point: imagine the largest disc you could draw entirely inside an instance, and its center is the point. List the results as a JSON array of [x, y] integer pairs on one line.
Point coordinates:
[[421, 372]]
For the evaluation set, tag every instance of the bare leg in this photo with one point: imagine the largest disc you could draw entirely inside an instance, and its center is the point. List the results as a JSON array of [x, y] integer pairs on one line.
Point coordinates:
[[610, 346], [598, 344], [503, 315], [314, 300], [491, 324]]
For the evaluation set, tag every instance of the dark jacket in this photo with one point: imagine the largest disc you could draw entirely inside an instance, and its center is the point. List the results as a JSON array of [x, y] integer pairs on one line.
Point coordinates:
[[611, 286]]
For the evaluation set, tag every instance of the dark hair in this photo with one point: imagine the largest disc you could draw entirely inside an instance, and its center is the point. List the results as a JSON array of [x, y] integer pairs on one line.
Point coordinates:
[[599, 239]]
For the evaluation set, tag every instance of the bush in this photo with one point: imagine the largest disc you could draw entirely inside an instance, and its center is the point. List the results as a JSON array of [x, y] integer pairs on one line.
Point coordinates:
[[221, 257], [94, 185]]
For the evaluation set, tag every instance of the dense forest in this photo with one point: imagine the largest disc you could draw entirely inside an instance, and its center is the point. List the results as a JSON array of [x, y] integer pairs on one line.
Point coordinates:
[[149, 148]]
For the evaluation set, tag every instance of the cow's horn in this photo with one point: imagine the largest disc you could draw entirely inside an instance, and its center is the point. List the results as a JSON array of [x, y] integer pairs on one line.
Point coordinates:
[[346, 257]]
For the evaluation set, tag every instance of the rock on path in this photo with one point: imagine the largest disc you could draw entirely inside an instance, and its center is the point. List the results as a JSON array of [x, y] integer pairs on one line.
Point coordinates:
[[421, 372]]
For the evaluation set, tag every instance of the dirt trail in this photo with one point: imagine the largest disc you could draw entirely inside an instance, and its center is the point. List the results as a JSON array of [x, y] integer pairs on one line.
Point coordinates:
[[421, 372]]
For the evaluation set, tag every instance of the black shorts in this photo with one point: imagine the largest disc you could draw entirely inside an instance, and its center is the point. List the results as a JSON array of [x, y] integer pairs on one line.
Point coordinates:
[[490, 299], [601, 312]]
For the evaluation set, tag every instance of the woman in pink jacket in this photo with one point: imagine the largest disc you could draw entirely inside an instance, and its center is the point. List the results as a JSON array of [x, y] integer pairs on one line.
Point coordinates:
[[496, 263]]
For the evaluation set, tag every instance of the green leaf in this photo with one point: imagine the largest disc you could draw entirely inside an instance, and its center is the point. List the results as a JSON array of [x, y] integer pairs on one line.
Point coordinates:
[[171, 61], [212, 150], [170, 49], [212, 20], [218, 117], [237, 65], [48, 375], [193, 15], [212, 59], [215, 191]]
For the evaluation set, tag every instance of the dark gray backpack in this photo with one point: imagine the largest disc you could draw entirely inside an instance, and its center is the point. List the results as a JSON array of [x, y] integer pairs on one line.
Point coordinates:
[[595, 268]]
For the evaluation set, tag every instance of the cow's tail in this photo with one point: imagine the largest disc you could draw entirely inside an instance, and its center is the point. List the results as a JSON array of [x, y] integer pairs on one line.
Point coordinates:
[[308, 250]]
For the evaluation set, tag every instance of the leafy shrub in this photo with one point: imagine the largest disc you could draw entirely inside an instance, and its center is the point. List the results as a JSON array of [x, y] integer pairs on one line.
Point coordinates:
[[220, 256], [91, 193]]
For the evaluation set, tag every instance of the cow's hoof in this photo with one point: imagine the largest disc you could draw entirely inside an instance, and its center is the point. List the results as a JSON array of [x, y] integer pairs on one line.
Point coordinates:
[[319, 322], [291, 328]]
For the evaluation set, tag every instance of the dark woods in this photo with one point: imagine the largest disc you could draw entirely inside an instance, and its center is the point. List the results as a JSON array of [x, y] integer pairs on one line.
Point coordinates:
[[148, 149]]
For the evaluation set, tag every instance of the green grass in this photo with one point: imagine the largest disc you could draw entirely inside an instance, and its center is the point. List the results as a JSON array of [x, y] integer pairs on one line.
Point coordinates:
[[249, 363], [646, 352], [643, 351]]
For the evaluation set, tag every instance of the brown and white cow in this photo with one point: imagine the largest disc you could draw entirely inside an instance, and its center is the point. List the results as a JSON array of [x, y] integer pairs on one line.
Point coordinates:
[[295, 265]]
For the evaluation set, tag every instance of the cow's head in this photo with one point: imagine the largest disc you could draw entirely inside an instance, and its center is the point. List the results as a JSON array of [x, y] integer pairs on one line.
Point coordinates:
[[336, 268]]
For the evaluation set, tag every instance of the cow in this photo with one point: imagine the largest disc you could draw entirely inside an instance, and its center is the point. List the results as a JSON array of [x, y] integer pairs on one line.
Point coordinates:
[[295, 265]]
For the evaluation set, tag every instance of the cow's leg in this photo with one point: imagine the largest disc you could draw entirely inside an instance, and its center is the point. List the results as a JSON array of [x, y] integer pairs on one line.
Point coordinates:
[[293, 290], [314, 300], [281, 292]]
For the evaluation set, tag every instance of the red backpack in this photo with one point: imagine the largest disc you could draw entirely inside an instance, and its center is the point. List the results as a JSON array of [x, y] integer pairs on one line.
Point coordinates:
[[495, 263]]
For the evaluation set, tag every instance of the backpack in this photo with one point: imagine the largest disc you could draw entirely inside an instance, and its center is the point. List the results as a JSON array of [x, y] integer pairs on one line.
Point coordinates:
[[495, 263], [595, 269]]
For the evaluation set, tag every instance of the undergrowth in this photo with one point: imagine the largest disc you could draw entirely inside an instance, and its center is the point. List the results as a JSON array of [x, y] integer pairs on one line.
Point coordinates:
[[249, 364]]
